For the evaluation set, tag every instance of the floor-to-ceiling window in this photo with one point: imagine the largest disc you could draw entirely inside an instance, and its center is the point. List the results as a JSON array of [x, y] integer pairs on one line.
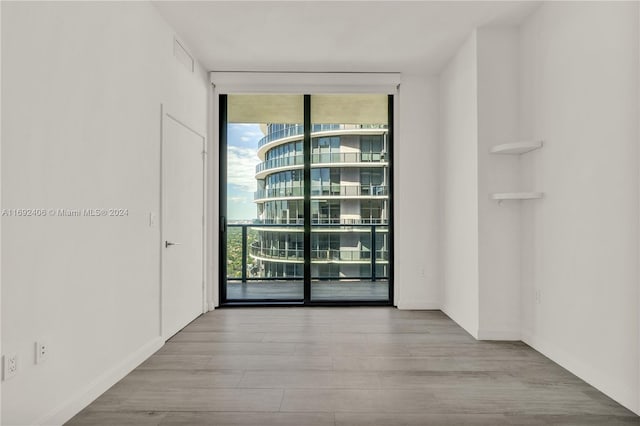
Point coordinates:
[[305, 198]]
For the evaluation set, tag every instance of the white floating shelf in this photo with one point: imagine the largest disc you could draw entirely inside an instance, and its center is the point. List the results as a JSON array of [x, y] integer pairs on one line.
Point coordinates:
[[501, 196], [516, 148]]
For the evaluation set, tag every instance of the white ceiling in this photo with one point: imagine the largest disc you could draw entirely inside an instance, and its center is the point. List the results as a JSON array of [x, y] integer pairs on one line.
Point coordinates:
[[363, 36]]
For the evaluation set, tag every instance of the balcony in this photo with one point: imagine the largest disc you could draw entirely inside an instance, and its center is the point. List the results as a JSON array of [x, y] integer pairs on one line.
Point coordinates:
[[366, 159], [317, 255], [246, 252], [323, 221], [294, 161], [262, 195], [297, 131], [276, 254], [332, 191]]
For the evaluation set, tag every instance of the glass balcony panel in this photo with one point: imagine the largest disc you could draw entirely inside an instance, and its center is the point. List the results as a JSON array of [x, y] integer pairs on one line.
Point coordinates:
[[342, 262], [349, 233], [331, 157], [265, 256], [347, 245]]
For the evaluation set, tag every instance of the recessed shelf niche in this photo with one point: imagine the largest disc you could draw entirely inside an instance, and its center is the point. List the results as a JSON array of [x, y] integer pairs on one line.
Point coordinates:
[[516, 148]]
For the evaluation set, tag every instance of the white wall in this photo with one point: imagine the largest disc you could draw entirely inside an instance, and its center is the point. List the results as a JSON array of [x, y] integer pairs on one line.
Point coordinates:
[[579, 88], [561, 272], [498, 224], [459, 188], [1, 206], [82, 85], [416, 210]]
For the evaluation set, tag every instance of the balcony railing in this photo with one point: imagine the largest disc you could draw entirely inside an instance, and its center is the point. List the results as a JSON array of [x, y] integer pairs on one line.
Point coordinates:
[[348, 255], [295, 255], [244, 243], [298, 130], [318, 254], [297, 191], [348, 157], [324, 191], [323, 221], [323, 158], [293, 160], [349, 190]]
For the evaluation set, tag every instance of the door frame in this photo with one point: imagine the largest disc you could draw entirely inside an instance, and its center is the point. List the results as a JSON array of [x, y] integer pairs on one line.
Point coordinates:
[[220, 98], [161, 219]]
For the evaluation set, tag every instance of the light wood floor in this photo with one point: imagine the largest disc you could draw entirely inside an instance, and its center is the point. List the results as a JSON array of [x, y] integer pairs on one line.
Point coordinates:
[[346, 366]]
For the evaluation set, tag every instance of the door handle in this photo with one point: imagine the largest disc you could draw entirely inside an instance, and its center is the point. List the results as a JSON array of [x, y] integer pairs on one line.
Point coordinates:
[[169, 243]]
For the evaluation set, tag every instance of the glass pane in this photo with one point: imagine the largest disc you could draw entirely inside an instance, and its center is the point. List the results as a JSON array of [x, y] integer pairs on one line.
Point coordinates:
[[265, 210], [349, 198]]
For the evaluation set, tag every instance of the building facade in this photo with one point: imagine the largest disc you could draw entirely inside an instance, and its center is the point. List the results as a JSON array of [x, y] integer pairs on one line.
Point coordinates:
[[349, 202]]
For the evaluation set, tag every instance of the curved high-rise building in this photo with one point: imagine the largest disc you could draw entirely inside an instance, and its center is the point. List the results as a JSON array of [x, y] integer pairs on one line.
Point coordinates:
[[349, 202]]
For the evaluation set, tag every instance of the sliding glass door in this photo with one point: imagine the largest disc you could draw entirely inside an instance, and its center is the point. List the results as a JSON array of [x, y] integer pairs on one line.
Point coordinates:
[[349, 197], [262, 186], [305, 199]]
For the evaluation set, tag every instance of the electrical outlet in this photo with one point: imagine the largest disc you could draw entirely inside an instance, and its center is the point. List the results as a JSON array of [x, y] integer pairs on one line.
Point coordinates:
[[42, 350], [538, 296], [9, 366]]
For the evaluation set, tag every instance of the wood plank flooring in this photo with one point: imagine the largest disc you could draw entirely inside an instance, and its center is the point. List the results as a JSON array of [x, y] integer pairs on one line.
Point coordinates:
[[346, 366]]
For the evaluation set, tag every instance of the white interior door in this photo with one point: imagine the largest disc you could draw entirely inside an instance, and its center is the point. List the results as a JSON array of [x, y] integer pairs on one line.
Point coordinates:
[[182, 225]]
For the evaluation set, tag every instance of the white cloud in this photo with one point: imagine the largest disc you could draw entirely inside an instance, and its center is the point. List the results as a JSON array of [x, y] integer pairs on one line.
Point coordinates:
[[242, 200], [250, 136], [248, 129], [241, 168]]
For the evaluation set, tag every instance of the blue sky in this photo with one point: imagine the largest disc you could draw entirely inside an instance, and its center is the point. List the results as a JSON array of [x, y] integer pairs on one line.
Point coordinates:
[[242, 147]]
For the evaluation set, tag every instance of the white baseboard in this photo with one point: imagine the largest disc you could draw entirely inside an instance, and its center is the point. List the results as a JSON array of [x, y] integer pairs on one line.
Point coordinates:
[[621, 393], [418, 305], [511, 335], [93, 390], [472, 330]]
